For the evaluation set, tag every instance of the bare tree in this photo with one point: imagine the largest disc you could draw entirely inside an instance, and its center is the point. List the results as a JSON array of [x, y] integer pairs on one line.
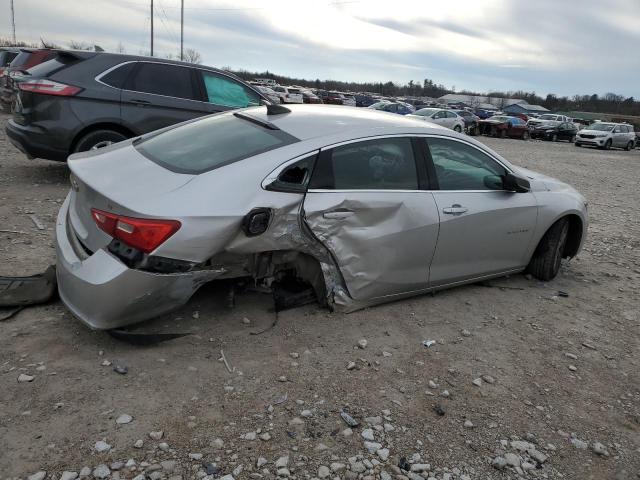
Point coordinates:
[[75, 45], [192, 56]]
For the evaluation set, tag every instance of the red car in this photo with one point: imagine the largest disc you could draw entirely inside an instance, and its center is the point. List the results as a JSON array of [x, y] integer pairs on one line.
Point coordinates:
[[309, 97], [504, 126], [26, 58]]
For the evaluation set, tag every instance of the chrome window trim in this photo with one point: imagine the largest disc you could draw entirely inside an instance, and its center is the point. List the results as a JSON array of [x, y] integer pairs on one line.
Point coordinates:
[[98, 77]]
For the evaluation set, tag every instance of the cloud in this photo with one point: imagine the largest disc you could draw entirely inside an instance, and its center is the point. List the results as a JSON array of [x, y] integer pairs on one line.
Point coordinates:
[[545, 46]]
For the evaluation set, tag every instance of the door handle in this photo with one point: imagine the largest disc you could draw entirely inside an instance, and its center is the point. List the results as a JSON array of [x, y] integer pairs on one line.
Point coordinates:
[[455, 209], [338, 214], [136, 101]]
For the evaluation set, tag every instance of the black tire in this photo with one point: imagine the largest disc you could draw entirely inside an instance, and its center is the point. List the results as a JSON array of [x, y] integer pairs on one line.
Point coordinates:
[[98, 139], [545, 263], [525, 135], [473, 131], [554, 137], [607, 145], [457, 129], [573, 139], [503, 133], [629, 146], [578, 144]]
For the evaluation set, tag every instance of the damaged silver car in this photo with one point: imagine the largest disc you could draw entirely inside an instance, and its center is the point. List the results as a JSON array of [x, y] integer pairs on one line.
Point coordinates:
[[364, 206]]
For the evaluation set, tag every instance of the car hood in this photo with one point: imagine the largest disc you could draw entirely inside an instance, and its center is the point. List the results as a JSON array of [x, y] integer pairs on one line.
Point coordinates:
[[543, 183], [593, 132]]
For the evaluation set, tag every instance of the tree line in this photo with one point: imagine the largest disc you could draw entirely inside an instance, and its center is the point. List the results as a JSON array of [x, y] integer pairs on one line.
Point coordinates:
[[607, 103]]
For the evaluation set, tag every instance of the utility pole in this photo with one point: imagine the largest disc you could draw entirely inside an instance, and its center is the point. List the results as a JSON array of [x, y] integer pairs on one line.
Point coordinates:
[[13, 23], [152, 28], [181, 29]]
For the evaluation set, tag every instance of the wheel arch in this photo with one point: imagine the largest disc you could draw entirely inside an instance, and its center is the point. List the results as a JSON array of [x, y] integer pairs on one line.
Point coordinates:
[[116, 127], [574, 236]]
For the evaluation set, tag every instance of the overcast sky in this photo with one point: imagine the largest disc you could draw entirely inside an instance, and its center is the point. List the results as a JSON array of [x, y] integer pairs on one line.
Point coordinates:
[[546, 46]]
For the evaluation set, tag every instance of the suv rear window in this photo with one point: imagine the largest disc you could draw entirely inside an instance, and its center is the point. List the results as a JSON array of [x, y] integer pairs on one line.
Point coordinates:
[[163, 79], [45, 69], [118, 76], [210, 143]]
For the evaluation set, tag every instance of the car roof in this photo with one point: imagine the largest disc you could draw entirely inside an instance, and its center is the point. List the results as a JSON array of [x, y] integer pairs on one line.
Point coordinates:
[[312, 121]]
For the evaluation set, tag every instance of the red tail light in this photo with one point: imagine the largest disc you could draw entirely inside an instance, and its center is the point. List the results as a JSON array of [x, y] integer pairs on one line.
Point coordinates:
[[141, 233], [49, 87]]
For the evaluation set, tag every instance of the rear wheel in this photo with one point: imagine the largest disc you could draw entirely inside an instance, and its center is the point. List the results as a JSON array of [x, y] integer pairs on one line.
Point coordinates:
[[98, 139], [545, 263], [554, 137], [457, 128], [525, 135], [629, 146], [572, 139], [503, 133]]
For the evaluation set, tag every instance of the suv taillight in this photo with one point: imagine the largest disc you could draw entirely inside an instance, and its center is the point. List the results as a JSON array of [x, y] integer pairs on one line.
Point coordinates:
[[49, 87], [141, 233]]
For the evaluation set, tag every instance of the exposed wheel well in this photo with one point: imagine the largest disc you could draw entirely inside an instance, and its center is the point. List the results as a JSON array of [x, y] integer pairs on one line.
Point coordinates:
[[574, 237], [100, 126]]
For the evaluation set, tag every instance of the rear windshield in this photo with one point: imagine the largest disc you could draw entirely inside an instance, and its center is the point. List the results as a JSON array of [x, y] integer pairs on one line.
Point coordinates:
[[210, 143], [20, 59], [45, 69]]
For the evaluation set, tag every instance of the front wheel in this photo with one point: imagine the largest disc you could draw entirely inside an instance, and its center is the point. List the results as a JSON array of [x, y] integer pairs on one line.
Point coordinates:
[[545, 263], [607, 145], [98, 139]]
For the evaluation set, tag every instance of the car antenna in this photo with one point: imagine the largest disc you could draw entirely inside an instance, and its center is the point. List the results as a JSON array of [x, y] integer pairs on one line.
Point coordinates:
[[275, 109]]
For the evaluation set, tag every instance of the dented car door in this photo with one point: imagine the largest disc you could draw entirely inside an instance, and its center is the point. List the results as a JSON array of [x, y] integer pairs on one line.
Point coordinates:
[[367, 203]]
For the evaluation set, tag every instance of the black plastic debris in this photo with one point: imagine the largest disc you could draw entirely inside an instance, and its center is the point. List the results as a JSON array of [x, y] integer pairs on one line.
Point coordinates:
[[141, 338], [348, 419], [23, 291], [562, 294], [439, 410], [292, 293], [121, 369], [7, 314], [403, 464]]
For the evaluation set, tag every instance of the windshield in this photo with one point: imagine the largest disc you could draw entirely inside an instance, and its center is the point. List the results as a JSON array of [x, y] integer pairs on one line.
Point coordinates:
[[210, 143], [426, 112], [379, 105], [602, 127]]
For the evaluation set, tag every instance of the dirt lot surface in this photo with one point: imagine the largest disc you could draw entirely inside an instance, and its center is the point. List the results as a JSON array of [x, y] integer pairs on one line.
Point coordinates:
[[559, 395]]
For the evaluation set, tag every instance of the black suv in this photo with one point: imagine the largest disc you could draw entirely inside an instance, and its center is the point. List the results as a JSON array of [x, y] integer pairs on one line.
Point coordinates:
[[80, 101]]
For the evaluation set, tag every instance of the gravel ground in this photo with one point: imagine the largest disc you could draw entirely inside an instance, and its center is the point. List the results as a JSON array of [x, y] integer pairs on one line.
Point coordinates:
[[549, 384]]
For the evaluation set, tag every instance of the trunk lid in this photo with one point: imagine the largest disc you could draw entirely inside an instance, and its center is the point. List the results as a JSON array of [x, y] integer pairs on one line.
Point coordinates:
[[120, 180]]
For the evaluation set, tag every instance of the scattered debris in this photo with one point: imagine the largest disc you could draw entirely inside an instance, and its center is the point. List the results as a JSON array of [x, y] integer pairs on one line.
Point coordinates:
[[140, 338], [439, 410], [226, 364], [121, 369], [36, 221], [428, 343], [348, 419]]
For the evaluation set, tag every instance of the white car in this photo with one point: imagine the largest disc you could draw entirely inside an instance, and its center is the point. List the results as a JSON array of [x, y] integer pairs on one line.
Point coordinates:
[[440, 116], [548, 117], [605, 135], [349, 100], [269, 93], [288, 94]]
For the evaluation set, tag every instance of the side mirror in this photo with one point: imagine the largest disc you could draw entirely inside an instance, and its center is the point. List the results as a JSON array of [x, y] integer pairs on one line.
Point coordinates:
[[514, 183], [493, 182]]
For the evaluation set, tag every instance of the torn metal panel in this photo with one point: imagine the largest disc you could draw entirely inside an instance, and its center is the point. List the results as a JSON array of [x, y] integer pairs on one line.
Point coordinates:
[[382, 241]]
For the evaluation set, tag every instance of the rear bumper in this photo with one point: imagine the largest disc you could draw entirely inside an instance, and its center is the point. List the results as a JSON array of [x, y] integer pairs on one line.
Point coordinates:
[[104, 293], [34, 142]]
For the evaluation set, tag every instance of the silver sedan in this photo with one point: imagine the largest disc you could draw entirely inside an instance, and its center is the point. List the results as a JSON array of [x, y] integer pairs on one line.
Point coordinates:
[[364, 206]]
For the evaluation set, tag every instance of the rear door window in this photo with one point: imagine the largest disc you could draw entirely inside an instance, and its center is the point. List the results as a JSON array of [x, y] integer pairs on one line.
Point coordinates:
[[163, 79], [221, 90], [118, 76], [210, 143], [379, 164]]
